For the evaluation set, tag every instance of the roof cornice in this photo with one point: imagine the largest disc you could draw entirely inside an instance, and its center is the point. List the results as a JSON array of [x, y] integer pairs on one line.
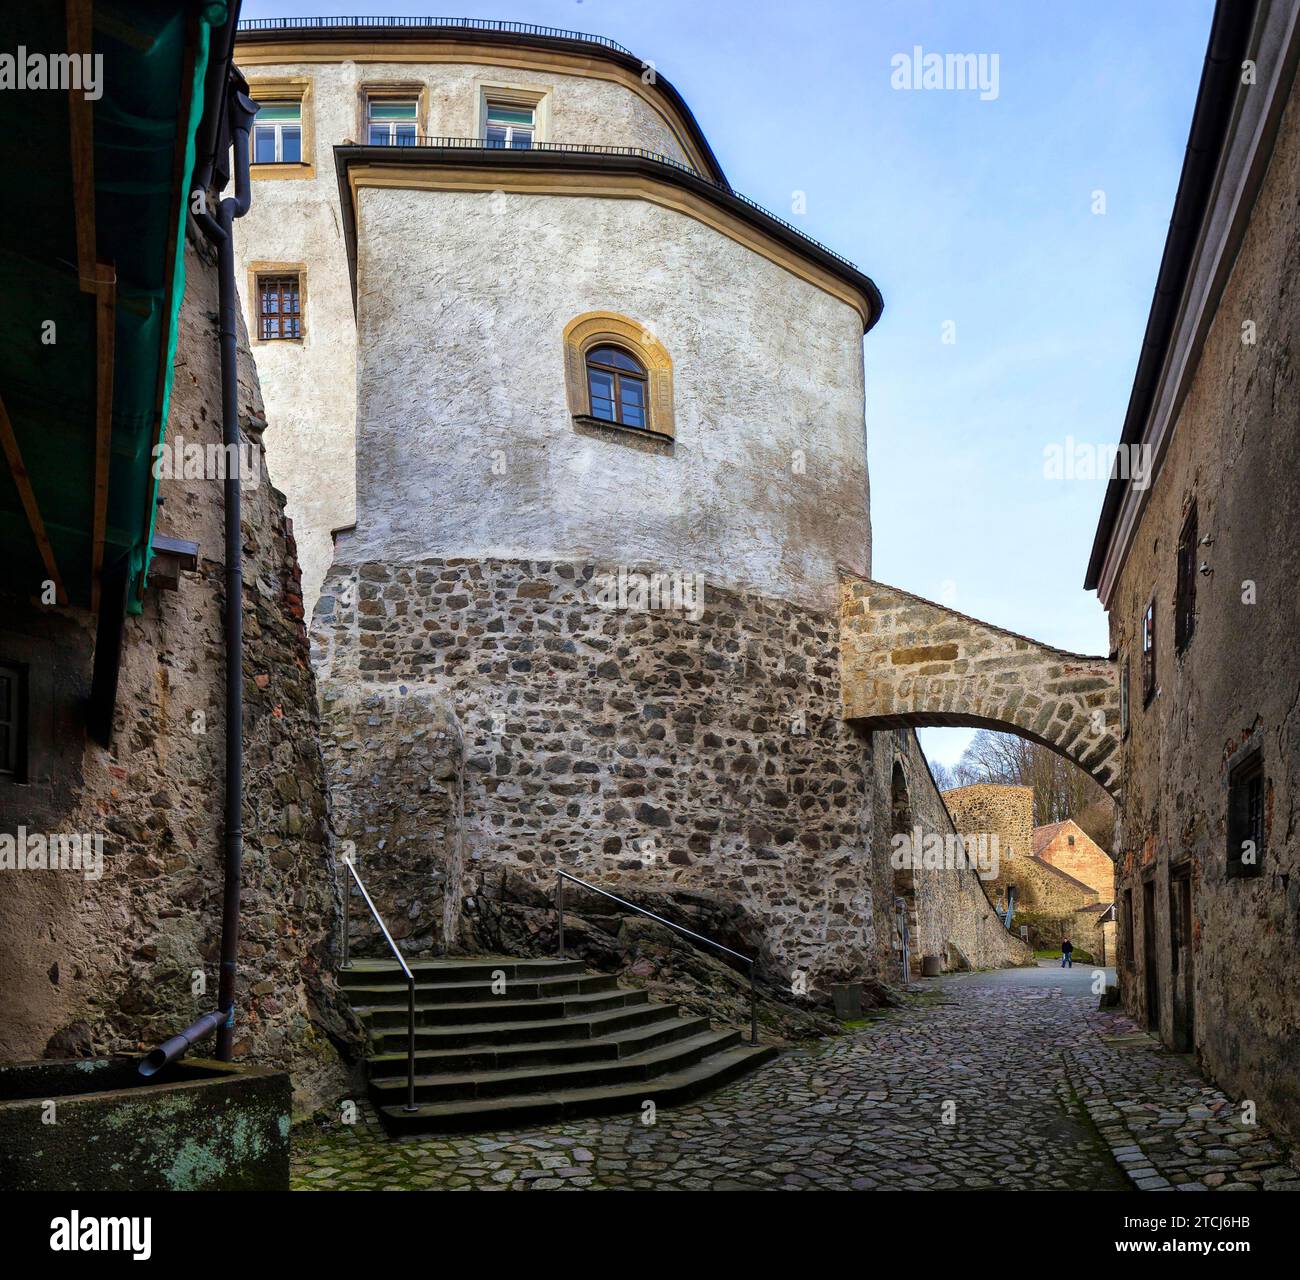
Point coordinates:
[[614, 172], [1231, 140]]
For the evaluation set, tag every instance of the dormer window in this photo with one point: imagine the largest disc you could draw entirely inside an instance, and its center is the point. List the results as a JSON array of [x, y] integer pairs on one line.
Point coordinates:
[[277, 134], [510, 124], [391, 122]]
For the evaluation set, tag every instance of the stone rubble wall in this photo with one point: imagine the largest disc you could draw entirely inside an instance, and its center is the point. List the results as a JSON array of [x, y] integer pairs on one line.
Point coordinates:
[[394, 761], [954, 908], [636, 749], [107, 966]]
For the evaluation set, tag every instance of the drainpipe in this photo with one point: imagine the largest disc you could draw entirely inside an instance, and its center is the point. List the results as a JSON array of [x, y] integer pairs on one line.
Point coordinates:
[[242, 111], [219, 230]]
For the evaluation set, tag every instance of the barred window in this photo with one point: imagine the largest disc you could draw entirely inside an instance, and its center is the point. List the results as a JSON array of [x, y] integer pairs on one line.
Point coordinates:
[[1185, 595], [1149, 653], [1246, 787], [279, 307], [12, 727]]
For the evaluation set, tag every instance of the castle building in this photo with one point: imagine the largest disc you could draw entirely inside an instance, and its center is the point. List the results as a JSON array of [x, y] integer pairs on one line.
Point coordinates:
[[605, 420]]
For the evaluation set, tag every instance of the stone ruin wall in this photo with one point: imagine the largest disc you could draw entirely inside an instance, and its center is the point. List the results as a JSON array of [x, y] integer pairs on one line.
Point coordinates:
[[635, 749], [954, 909], [1004, 811], [106, 966]]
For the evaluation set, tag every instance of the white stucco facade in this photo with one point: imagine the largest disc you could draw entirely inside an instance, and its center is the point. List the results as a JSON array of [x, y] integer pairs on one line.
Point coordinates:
[[468, 447], [294, 223]]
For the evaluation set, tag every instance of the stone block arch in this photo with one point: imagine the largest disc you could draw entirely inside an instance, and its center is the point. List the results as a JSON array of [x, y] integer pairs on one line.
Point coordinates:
[[909, 662]]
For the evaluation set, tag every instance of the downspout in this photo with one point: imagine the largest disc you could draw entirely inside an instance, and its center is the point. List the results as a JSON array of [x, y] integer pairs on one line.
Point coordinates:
[[242, 111], [220, 231]]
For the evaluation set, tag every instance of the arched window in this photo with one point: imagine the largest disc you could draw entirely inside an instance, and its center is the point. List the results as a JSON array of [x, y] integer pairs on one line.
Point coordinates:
[[617, 382], [616, 371]]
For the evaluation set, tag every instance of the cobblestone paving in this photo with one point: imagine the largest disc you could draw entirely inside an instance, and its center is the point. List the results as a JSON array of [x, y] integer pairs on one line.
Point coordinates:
[[999, 1080]]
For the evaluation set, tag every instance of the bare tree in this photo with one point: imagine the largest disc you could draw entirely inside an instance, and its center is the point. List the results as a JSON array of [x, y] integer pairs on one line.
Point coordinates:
[[1061, 789]]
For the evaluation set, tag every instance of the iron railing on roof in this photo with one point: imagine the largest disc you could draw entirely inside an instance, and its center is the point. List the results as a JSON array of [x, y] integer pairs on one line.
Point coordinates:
[[582, 148], [470, 24]]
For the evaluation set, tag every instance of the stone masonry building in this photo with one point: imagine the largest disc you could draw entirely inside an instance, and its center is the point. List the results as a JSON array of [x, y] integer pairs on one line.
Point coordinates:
[[587, 614], [1198, 570]]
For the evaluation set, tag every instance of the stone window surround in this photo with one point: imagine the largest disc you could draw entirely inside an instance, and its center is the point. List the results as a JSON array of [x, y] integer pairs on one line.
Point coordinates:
[[288, 89], [391, 89], [598, 328], [260, 268], [534, 96]]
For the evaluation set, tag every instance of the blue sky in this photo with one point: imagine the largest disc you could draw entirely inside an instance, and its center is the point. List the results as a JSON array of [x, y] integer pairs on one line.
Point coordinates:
[[978, 214]]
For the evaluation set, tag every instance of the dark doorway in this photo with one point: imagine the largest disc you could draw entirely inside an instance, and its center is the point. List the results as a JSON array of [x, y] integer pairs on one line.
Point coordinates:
[[1150, 966], [1180, 946]]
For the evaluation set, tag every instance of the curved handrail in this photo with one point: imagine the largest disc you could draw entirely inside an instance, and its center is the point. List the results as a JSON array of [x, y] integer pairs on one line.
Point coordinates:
[[562, 876], [406, 969]]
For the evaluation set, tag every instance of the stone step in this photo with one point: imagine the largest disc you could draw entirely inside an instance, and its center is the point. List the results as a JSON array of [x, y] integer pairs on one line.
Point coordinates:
[[510, 1111], [365, 972], [500, 1010], [504, 1057], [479, 989], [516, 1081], [393, 1039]]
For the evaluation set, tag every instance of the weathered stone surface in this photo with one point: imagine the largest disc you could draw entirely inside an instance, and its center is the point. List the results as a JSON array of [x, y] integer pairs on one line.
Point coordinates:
[[128, 946], [650, 750], [894, 674]]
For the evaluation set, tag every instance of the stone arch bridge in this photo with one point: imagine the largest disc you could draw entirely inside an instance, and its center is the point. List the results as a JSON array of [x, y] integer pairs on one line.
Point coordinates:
[[905, 661]]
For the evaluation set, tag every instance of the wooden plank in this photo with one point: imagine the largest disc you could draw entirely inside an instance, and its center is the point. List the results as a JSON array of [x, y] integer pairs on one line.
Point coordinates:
[[105, 321], [23, 482], [81, 123]]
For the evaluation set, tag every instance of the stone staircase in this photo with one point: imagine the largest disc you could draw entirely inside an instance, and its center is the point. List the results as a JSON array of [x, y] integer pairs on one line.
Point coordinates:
[[556, 1042]]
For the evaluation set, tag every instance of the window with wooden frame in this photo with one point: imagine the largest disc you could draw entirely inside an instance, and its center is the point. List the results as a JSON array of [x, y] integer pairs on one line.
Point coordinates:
[[1149, 653], [13, 721], [1185, 593], [617, 382], [1247, 787], [392, 122], [277, 133], [279, 308]]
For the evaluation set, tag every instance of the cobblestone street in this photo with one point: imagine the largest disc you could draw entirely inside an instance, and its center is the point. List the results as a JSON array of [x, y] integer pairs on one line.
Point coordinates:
[[1009, 1079]]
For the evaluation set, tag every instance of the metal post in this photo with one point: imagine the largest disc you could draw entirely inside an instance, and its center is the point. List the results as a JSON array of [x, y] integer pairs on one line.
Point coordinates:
[[410, 1045], [347, 919], [753, 1007], [559, 909]]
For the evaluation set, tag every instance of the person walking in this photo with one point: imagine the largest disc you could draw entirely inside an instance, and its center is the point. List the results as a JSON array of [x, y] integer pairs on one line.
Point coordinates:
[[1067, 954]]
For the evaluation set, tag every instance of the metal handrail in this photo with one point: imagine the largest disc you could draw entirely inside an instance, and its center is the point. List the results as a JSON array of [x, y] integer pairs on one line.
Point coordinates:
[[406, 969], [468, 24], [562, 876], [600, 149]]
